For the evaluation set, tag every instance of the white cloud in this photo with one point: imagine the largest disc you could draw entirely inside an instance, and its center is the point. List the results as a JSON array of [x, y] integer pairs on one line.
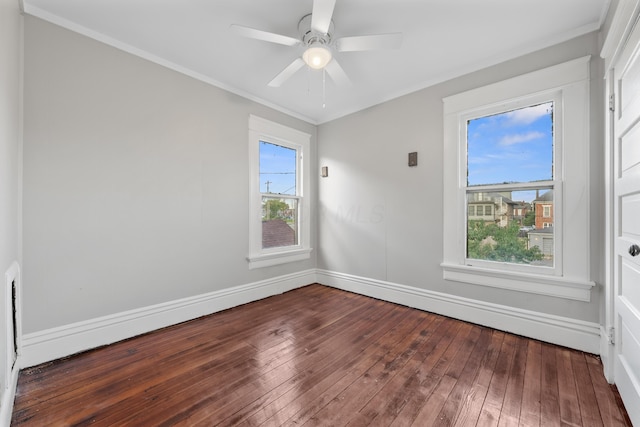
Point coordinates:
[[525, 116], [519, 138]]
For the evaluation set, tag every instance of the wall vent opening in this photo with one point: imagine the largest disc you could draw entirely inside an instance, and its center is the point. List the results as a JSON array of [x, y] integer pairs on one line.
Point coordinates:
[[12, 321], [14, 324]]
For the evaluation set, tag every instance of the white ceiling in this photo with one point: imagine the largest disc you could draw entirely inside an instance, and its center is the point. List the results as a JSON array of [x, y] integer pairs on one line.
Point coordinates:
[[441, 39]]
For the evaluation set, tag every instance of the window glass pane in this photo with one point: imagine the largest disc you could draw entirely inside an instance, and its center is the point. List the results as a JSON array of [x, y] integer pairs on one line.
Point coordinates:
[[516, 146], [277, 169], [279, 222], [513, 228]]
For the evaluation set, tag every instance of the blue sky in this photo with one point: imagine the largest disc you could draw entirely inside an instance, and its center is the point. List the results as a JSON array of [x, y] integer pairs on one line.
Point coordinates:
[[278, 167], [516, 146]]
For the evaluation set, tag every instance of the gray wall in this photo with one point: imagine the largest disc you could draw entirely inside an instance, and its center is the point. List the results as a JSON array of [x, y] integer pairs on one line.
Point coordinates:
[[10, 46], [135, 182], [380, 219]]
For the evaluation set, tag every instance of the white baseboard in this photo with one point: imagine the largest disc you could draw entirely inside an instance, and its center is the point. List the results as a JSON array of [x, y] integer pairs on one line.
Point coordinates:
[[580, 335], [8, 396], [54, 343]]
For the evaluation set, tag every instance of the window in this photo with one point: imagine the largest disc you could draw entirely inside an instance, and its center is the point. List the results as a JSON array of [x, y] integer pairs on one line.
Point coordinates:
[[279, 229], [509, 160], [278, 187], [505, 143]]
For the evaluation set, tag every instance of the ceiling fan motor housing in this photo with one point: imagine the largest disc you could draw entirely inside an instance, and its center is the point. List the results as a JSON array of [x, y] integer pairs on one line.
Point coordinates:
[[309, 36]]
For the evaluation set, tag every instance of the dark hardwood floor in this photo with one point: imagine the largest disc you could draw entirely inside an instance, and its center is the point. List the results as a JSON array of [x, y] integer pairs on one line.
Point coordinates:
[[320, 356]]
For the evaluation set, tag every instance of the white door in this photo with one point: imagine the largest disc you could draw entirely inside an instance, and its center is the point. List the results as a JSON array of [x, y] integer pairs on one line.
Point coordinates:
[[626, 267]]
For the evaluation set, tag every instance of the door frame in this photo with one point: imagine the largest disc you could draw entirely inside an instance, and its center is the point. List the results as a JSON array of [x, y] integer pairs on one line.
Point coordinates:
[[625, 17]]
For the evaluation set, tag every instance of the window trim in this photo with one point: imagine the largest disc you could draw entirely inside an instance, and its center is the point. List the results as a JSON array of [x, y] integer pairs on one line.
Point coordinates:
[[571, 274], [264, 130]]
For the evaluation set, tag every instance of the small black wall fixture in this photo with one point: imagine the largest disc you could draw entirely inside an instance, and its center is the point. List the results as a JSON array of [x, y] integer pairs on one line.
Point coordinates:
[[413, 159]]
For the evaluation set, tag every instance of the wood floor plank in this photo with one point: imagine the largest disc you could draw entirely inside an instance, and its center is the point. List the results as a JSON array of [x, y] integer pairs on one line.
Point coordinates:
[[360, 368], [295, 399], [474, 400], [510, 412], [338, 363], [320, 356], [608, 406], [122, 376], [431, 412], [567, 391], [465, 378], [388, 373], [242, 386], [492, 407], [429, 376], [411, 384], [589, 414], [530, 411], [146, 348], [385, 405], [549, 403], [328, 358], [358, 393], [428, 415]]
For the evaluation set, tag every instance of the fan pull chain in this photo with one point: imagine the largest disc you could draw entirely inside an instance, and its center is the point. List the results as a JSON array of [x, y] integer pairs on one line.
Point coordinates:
[[324, 86]]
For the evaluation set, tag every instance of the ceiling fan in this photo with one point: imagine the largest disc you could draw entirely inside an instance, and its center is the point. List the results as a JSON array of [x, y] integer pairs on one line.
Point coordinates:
[[316, 30]]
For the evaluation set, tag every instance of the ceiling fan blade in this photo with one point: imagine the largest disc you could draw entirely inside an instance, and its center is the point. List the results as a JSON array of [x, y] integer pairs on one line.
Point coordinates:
[[337, 74], [373, 42], [286, 73], [321, 15], [252, 33]]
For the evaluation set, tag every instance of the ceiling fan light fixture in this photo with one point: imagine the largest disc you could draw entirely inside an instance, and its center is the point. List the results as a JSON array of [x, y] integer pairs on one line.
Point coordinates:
[[317, 56]]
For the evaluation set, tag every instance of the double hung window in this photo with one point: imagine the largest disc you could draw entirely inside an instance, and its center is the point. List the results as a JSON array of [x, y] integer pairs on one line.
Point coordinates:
[[509, 152], [279, 229], [516, 159]]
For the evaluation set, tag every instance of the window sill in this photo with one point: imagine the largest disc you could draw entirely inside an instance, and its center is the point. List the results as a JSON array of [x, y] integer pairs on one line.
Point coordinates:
[[267, 260], [554, 286]]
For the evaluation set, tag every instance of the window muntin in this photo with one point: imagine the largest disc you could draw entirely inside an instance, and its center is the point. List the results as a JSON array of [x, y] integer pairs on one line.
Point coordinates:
[[508, 155]]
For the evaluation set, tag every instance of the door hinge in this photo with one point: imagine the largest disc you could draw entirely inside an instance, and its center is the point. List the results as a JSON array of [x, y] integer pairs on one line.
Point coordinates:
[[612, 335], [612, 102]]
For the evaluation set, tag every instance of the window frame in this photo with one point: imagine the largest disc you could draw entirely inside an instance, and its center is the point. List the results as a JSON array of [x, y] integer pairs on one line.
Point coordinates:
[[555, 96], [262, 130], [568, 84]]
